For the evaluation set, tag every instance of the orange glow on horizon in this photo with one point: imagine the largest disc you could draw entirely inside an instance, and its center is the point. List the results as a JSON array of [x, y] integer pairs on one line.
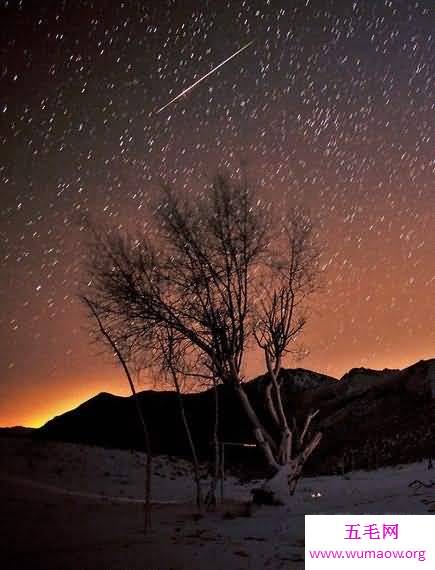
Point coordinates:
[[42, 416], [54, 405], [76, 391]]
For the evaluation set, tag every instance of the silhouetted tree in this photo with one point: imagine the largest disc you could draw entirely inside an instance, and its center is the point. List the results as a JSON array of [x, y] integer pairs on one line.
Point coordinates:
[[289, 278], [219, 271]]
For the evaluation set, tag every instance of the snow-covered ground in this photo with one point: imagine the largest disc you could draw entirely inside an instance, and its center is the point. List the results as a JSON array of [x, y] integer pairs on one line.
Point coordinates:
[[73, 506]]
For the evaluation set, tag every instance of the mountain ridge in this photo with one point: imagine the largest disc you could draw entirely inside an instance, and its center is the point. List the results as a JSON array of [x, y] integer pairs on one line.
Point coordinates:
[[365, 423]]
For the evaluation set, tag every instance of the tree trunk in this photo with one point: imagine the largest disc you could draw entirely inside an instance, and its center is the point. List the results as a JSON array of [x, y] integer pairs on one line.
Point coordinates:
[[301, 459], [211, 495], [281, 486], [149, 459], [262, 437], [275, 491], [269, 403], [195, 461], [147, 442]]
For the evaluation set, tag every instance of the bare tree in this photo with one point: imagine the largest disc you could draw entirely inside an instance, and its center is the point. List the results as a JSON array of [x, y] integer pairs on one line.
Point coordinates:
[[198, 271], [289, 278], [105, 335]]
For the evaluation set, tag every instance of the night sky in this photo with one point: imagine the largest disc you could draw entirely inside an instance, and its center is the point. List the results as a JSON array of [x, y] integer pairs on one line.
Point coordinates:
[[332, 106]]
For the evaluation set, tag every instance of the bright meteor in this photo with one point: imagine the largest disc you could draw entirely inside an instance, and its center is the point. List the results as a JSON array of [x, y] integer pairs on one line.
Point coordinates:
[[204, 76]]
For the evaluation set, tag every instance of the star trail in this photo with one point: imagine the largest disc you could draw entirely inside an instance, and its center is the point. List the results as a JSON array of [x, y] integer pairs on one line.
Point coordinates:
[[331, 107]]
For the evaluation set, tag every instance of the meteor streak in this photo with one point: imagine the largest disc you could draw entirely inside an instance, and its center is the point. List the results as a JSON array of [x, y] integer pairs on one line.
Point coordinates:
[[204, 76]]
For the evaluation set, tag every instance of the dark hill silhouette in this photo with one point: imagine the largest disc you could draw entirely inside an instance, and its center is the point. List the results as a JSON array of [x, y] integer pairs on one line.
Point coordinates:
[[369, 418], [16, 431]]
